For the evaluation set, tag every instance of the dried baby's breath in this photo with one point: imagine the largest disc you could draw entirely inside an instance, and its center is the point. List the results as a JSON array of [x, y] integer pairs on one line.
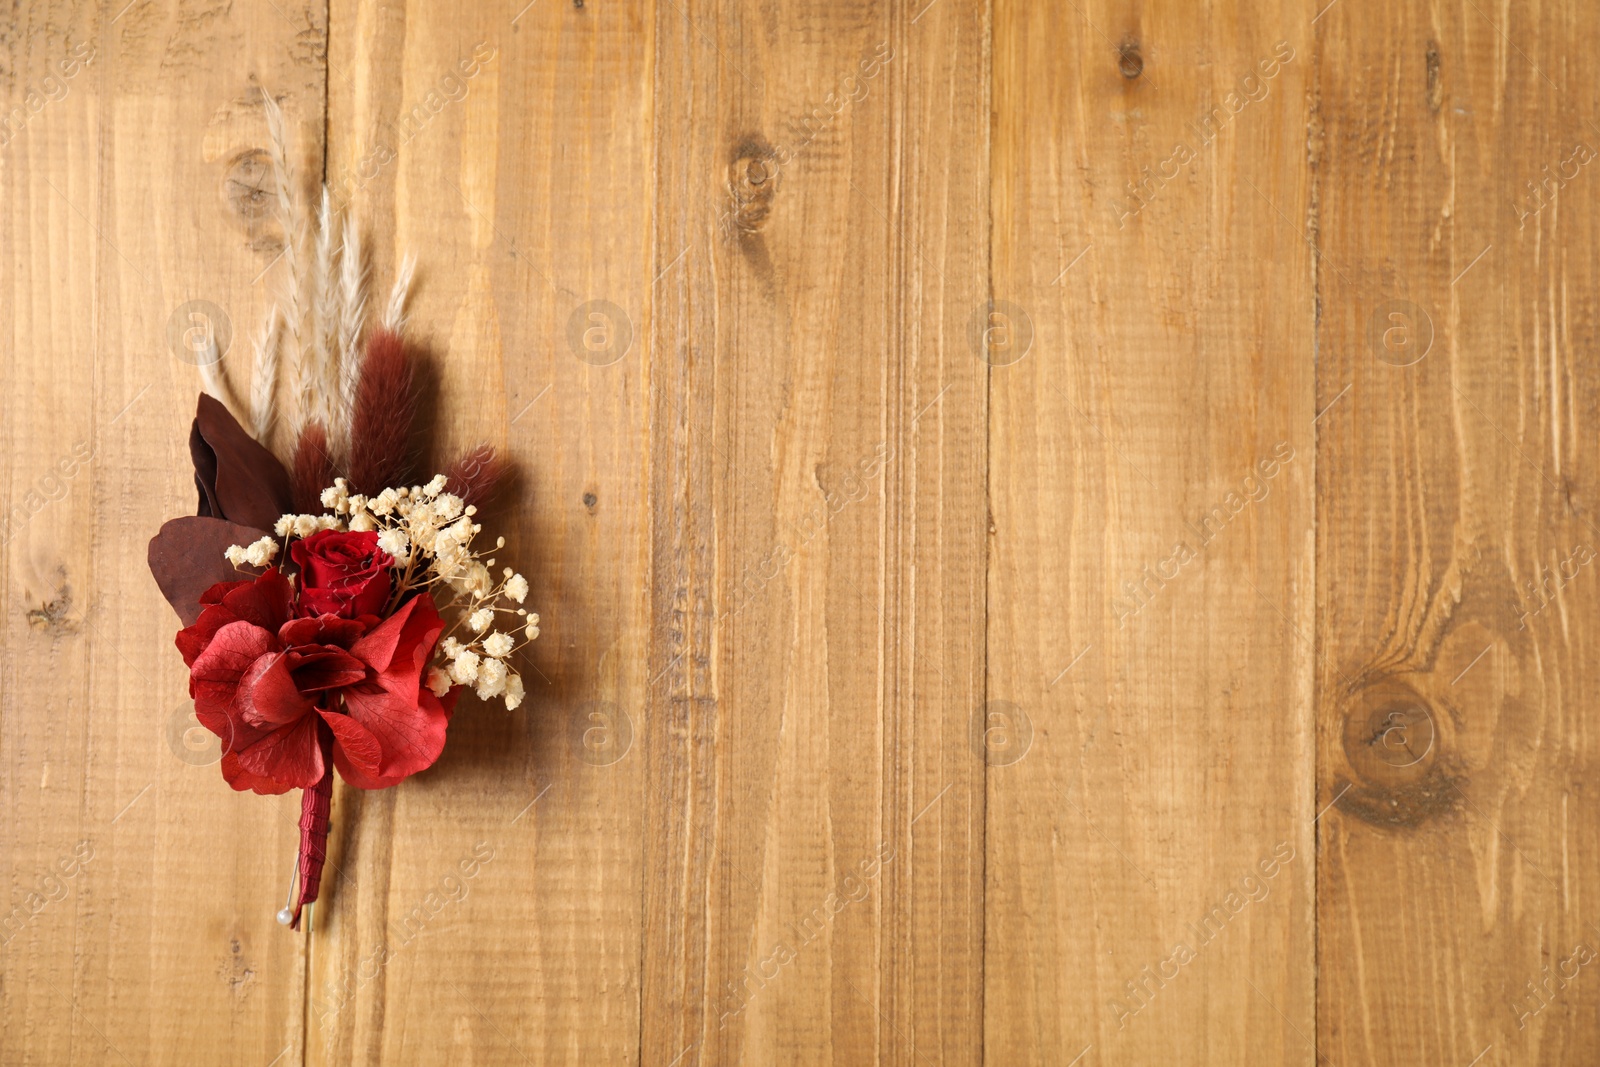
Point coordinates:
[[429, 533]]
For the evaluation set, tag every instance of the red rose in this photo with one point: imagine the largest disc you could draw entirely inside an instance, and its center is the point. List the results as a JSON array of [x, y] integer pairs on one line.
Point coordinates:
[[343, 574], [287, 694]]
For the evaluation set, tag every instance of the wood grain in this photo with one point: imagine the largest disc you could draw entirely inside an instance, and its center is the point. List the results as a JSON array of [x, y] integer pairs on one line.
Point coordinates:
[[1064, 532], [818, 457], [507, 155], [1148, 893], [135, 932], [1455, 502]]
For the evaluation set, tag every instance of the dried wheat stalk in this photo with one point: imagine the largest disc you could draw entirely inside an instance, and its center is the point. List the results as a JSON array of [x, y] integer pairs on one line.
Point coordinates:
[[265, 378], [352, 306], [394, 314]]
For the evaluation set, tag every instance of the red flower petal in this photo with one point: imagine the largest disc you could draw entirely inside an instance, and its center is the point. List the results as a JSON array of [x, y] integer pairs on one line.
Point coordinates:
[[321, 667], [265, 601], [325, 630], [288, 754], [217, 672], [268, 696], [355, 776], [354, 743], [242, 779], [410, 631], [409, 727]]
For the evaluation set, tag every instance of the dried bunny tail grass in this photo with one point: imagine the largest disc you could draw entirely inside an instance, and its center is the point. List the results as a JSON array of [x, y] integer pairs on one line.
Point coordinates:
[[476, 475], [313, 469], [324, 317], [394, 314], [264, 376], [291, 216], [385, 412], [352, 306]]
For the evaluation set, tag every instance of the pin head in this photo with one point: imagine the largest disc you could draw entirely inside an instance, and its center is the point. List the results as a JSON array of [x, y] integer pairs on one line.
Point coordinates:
[[285, 917]]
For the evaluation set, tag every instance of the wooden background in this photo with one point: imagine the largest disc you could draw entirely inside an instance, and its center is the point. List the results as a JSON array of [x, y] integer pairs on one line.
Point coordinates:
[[1068, 541]]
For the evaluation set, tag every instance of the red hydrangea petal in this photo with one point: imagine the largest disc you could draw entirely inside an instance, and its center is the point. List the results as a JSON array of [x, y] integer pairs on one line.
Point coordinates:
[[192, 640], [217, 671], [265, 601], [241, 779], [325, 630], [289, 754], [355, 743], [268, 695], [219, 724], [321, 667], [410, 633], [215, 594], [355, 776], [410, 727]]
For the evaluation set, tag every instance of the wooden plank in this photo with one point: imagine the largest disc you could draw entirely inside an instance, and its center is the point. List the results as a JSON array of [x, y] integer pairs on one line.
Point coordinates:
[[509, 150], [1456, 529], [1149, 865], [134, 930], [817, 474]]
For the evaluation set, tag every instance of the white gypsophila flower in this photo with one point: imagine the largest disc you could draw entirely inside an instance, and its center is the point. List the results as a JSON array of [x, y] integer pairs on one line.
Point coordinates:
[[451, 648], [499, 645], [305, 525], [384, 502], [480, 620], [514, 691], [446, 549], [396, 544], [423, 534], [468, 577], [448, 506], [438, 681], [491, 679], [336, 497], [234, 554], [284, 526], [517, 588], [261, 552], [456, 535], [532, 629], [464, 668], [435, 485], [362, 522]]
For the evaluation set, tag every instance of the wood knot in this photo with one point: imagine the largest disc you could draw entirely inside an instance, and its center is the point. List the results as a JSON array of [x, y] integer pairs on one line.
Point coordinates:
[[752, 185], [1396, 750], [247, 190], [1129, 60], [1435, 87]]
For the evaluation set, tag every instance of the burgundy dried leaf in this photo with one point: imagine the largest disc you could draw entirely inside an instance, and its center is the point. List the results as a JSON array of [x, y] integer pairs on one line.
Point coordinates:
[[385, 413], [313, 469], [247, 484], [186, 558], [477, 474], [205, 472]]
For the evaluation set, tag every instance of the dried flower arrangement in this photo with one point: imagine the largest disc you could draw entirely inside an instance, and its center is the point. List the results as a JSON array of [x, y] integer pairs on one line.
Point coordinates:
[[310, 591]]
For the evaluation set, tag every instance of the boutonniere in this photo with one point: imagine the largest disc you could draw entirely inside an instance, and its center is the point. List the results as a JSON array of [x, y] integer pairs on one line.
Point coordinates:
[[335, 601]]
